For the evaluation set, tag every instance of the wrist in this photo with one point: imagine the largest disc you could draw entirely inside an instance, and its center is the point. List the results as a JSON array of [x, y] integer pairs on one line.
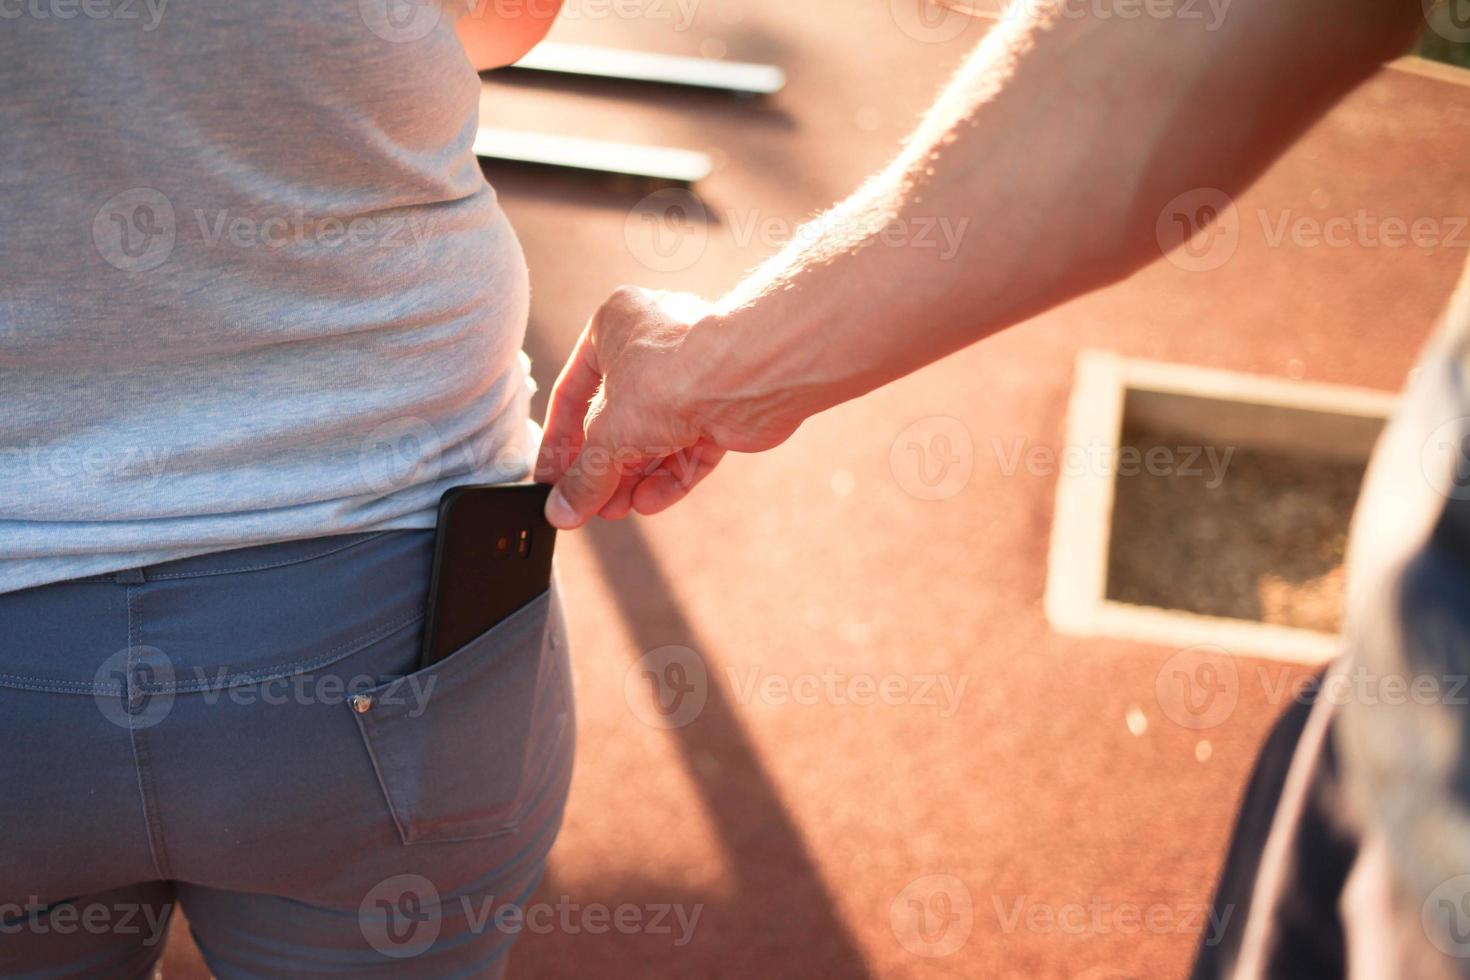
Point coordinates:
[[736, 388]]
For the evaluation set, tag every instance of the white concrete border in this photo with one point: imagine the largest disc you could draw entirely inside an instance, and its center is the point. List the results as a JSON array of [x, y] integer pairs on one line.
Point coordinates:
[[1438, 70], [1342, 419]]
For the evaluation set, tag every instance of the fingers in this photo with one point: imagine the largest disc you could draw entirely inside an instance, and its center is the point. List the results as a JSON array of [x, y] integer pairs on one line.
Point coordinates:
[[595, 485], [622, 499], [602, 433], [580, 490], [584, 488], [674, 478], [577, 497], [566, 413]]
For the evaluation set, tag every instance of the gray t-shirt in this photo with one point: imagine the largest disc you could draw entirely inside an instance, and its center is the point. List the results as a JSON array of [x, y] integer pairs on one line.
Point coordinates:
[[253, 285]]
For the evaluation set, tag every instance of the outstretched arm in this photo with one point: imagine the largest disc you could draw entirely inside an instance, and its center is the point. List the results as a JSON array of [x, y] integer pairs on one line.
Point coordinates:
[[1055, 148]]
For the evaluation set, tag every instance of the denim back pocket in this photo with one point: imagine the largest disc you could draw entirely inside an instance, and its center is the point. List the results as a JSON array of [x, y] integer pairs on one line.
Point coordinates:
[[458, 745]]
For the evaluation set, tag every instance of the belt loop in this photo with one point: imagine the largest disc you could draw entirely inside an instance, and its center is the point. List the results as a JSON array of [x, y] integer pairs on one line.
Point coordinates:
[[130, 576]]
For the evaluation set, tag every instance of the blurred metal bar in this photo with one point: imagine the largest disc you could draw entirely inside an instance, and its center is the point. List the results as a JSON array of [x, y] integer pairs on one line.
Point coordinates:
[[577, 153], [666, 69]]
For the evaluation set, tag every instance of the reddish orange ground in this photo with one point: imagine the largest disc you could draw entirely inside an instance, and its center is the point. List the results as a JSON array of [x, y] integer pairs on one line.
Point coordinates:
[[799, 827]]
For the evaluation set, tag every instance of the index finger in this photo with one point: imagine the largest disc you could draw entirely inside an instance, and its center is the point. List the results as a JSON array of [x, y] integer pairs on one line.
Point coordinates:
[[584, 489], [566, 414]]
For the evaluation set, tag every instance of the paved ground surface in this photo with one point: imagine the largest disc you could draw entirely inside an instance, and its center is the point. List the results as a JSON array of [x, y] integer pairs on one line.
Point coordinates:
[[809, 836]]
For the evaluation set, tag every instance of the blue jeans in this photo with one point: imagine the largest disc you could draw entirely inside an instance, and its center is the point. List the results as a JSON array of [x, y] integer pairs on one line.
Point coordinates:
[[247, 734]]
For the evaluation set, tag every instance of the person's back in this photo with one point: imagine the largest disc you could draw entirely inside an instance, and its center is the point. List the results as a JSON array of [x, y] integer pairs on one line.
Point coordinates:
[[258, 309], [254, 286]]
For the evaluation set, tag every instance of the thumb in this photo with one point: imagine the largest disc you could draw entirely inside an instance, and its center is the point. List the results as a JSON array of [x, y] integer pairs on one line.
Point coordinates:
[[587, 485]]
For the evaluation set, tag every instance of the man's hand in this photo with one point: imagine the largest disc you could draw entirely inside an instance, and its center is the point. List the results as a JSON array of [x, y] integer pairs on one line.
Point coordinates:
[[628, 427], [1059, 146]]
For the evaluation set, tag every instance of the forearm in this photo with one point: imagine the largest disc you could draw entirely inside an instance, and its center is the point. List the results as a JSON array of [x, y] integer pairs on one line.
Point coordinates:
[[1047, 163]]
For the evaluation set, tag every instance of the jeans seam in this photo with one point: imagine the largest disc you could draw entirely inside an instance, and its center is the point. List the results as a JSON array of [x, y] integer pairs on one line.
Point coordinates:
[[263, 566], [342, 651], [24, 682], [137, 734]]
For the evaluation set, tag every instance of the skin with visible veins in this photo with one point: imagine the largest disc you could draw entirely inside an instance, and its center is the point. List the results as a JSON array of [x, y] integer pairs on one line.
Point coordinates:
[[1058, 145]]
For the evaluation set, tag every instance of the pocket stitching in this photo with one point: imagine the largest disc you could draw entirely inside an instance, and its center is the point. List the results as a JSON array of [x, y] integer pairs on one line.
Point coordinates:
[[380, 632], [453, 666]]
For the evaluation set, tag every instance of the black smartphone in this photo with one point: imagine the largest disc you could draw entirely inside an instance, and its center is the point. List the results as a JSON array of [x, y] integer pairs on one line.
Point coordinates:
[[492, 555]]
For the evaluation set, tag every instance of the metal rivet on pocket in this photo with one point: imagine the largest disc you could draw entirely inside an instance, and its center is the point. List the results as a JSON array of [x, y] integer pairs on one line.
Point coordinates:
[[361, 703]]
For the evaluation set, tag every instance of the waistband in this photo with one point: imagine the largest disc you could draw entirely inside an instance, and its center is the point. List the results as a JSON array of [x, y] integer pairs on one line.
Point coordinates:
[[236, 560], [224, 619]]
